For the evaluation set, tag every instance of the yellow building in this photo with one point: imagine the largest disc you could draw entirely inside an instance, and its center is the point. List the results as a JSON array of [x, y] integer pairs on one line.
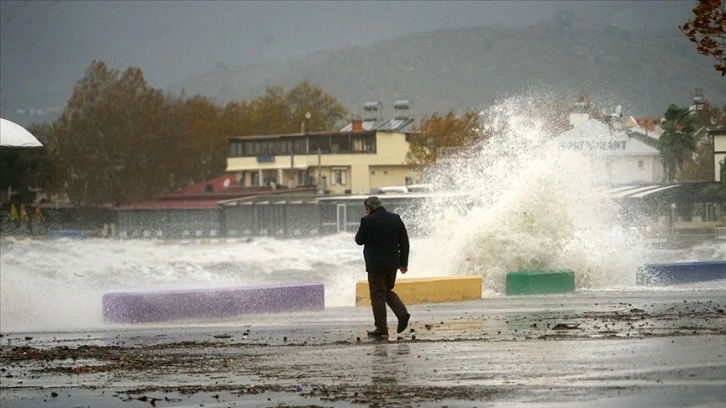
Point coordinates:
[[719, 153], [367, 154]]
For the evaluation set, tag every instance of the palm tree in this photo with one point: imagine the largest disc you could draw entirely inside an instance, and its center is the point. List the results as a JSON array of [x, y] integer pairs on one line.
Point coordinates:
[[677, 143]]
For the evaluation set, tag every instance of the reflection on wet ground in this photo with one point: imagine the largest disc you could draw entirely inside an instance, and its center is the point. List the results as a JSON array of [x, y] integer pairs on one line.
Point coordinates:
[[626, 349]]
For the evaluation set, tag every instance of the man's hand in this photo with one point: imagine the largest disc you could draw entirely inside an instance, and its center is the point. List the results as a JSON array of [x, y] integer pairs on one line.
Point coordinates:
[[404, 269]]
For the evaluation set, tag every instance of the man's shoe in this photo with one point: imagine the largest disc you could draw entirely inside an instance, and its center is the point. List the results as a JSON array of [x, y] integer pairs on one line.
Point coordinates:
[[403, 322], [378, 332]]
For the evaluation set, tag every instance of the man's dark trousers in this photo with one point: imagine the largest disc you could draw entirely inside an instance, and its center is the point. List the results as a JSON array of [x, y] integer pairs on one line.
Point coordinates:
[[381, 290]]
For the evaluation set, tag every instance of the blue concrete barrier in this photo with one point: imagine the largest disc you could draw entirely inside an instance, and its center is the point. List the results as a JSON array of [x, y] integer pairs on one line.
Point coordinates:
[[680, 272], [158, 306]]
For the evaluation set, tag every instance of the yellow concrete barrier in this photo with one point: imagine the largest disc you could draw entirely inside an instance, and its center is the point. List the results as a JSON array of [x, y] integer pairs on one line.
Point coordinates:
[[427, 290]]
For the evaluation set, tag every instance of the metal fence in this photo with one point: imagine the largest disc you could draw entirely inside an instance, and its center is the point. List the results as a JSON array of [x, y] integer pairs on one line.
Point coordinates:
[[280, 219], [277, 220], [169, 223]]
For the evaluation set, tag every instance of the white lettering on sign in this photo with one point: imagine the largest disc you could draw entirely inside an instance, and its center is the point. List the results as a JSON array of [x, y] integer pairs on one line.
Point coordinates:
[[595, 145]]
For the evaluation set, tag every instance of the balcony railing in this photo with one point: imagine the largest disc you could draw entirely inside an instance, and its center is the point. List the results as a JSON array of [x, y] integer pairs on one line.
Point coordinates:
[[304, 145]]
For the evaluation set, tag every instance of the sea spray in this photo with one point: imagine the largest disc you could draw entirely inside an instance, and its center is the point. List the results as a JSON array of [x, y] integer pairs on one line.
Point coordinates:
[[58, 285], [524, 203], [516, 201]]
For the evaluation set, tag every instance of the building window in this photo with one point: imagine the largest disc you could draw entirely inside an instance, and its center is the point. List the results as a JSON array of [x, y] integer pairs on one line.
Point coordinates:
[[236, 149], [641, 165], [338, 176], [364, 144], [341, 144], [319, 143]]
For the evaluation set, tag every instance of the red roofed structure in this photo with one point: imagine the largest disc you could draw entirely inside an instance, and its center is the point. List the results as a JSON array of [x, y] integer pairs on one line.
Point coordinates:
[[649, 123], [206, 194]]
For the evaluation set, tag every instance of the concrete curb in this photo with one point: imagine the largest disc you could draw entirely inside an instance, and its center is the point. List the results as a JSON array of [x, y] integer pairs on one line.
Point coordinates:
[[428, 290], [142, 307]]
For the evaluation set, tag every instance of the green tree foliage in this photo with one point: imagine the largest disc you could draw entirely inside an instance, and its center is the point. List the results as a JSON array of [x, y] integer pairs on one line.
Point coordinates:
[[700, 167], [24, 169], [437, 134], [234, 119], [105, 141], [269, 114], [10, 169], [711, 116], [325, 111], [120, 141], [203, 142], [37, 165], [280, 112], [677, 143], [707, 28]]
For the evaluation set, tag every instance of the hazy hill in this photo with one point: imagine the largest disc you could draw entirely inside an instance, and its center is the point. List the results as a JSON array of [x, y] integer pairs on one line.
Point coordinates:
[[644, 69]]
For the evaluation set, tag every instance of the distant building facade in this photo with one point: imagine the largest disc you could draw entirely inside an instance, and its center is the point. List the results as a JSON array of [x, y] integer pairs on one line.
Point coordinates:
[[615, 154], [367, 154], [719, 154]]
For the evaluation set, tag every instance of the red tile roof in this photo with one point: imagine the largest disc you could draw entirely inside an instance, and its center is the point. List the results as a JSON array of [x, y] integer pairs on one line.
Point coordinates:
[[648, 122], [171, 205], [202, 196], [217, 185]]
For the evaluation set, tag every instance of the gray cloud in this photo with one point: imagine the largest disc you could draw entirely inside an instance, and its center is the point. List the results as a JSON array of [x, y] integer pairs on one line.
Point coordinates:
[[45, 46]]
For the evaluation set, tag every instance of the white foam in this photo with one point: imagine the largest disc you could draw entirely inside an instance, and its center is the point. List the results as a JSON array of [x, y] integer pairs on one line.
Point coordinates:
[[528, 204], [524, 204], [56, 285]]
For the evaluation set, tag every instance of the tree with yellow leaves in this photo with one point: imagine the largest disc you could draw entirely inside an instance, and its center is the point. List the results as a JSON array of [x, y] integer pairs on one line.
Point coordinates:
[[438, 135], [707, 29]]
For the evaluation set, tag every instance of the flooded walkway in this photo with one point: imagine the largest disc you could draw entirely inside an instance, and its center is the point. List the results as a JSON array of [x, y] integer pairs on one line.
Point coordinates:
[[599, 349]]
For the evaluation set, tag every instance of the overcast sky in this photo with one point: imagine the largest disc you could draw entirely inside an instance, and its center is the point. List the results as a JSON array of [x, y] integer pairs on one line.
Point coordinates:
[[45, 46]]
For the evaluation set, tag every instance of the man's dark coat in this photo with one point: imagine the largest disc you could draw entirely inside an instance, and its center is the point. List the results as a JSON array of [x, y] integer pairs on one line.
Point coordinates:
[[386, 241]]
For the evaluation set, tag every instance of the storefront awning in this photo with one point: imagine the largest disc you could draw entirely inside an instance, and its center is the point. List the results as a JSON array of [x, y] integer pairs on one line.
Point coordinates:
[[638, 191]]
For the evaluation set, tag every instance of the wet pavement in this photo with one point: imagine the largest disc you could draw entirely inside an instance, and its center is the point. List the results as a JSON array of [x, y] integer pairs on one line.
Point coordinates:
[[595, 349]]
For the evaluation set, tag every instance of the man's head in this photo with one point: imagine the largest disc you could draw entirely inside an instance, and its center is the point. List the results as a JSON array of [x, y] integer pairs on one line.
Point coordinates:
[[372, 202]]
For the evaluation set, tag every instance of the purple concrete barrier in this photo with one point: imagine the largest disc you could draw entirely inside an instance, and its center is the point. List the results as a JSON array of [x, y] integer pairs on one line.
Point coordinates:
[[680, 272], [157, 306]]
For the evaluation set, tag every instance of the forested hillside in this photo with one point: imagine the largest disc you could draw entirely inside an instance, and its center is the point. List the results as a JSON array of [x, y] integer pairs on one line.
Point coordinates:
[[644, 69]]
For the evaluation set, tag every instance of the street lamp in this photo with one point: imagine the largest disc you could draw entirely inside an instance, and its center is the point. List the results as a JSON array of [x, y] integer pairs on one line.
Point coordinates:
[[293, 182], [321, 186], [292, 164]]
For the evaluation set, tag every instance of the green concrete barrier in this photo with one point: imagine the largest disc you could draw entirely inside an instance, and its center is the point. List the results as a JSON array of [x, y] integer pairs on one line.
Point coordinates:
[[427, 290], [540, 282]]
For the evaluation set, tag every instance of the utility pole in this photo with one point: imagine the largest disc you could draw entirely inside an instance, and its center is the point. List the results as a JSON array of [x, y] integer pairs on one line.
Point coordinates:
[[320, 178], [292, 165]]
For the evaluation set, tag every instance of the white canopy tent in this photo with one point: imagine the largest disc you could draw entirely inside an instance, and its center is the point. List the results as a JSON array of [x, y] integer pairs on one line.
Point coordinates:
[[14, 135]]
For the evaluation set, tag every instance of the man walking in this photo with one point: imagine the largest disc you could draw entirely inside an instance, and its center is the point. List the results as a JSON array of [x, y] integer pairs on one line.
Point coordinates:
[[386, 250]]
